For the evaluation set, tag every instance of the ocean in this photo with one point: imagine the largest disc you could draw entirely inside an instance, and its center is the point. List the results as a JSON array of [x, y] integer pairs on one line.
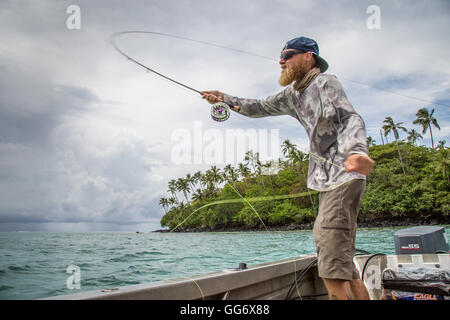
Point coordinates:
[[37, 265]]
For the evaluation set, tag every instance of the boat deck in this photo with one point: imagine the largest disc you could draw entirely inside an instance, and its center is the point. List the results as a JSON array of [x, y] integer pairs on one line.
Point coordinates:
[[295, 278]]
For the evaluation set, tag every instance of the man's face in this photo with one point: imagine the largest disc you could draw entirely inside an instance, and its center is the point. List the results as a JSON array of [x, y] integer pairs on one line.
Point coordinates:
[[293, 69]]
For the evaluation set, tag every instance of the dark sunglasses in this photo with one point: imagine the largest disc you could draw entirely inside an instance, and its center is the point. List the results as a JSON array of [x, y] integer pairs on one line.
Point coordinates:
[[289, 54]]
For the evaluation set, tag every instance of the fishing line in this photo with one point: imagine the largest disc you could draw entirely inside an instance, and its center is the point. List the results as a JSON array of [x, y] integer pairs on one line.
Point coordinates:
[[248, 200], [198, 286], [254, 199], [396, 93], [114, 44]]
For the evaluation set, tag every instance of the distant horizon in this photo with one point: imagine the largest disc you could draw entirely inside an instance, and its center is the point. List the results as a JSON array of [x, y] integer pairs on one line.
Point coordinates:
[[445, 226]]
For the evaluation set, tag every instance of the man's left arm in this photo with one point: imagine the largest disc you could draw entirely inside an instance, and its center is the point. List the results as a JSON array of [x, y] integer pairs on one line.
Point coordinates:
[[351, 136]]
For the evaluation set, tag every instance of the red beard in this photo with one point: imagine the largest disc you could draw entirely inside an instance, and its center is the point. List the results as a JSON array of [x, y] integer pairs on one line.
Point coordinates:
[[292, 73]]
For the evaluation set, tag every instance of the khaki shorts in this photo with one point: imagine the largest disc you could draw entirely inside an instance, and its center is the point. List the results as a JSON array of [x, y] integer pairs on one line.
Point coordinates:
[[335, 230]]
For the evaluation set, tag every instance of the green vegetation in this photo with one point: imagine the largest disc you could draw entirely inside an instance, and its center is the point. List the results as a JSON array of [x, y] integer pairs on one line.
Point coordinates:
[[408, 181]]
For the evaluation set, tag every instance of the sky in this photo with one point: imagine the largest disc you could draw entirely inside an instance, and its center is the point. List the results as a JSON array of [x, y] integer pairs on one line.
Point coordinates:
[[89, 140]]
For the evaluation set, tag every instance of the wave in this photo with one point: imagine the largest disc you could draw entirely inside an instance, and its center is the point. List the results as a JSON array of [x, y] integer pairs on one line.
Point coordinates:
[[19, 268], [4, 288], [147, 255]]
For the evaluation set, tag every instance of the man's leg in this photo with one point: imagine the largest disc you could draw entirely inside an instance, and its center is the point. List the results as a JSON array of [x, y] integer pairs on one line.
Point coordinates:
[[334, 233], [346, 290], [338, 289], [359, 290]]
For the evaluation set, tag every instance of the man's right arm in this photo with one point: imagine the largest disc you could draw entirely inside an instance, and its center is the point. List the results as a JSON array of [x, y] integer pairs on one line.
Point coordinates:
[[275, 105]]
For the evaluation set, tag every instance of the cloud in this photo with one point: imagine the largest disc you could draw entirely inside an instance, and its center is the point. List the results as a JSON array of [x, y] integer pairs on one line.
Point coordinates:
[[85, 134], [59, 164]]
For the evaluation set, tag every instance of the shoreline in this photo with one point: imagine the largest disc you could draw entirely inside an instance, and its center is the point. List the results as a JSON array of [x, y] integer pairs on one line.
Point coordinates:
[[365, 223]]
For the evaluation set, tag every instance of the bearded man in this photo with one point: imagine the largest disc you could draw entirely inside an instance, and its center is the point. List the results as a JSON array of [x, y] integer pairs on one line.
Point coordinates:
[[338, 162]]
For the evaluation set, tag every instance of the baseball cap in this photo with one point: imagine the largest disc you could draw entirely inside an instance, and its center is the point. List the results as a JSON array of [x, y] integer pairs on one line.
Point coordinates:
[[307, 45]]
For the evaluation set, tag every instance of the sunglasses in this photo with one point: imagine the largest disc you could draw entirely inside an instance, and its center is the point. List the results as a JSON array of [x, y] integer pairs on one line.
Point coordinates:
[[286, 55]]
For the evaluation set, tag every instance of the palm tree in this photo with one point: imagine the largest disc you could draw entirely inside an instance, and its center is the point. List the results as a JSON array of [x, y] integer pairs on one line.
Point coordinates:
[[190, 180], [171, 201], [197, 195], [183, 186], [216, 175], [370, 141], [293, 154], [425, 119], [210, 190], [413, 136], [382, 140], [259, 167], [287, 147], [172, 188], [182, 207], [252, 158], [271, 166], [230, 174], [243, 170], [164, 203], [290, 151], [226, 171], [205, 179], [393, 127], [297, 157], [237, 173], [197, 177]]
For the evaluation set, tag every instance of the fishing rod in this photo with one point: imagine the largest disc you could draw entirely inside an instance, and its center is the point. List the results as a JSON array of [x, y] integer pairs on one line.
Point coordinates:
[[220, 111], [114, 44]]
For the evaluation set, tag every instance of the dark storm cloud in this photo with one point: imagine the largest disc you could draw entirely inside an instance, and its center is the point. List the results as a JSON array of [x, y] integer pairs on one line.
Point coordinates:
[[50, 168], [31, 106]]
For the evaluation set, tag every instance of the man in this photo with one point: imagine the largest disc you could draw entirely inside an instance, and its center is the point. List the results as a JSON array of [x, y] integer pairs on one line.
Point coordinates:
[[339, 160]]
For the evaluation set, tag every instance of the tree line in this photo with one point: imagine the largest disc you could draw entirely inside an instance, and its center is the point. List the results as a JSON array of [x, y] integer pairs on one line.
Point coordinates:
[[408, 181]]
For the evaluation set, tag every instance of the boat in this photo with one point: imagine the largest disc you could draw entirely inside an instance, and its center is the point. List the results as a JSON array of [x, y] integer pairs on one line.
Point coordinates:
[[294, 278]]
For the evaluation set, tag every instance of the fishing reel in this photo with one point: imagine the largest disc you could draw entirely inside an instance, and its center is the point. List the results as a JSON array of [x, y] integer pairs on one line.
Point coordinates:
[[220, 111]]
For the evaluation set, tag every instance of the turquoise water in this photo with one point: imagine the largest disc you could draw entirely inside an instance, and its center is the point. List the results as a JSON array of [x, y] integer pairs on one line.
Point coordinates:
[[33, 264]]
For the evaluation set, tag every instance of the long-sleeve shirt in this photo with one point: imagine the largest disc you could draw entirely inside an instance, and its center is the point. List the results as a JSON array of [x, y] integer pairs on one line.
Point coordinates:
[[334, 128]]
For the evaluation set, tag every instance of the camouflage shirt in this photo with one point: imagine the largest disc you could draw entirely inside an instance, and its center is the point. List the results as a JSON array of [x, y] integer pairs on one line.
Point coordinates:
[[334, 128]]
